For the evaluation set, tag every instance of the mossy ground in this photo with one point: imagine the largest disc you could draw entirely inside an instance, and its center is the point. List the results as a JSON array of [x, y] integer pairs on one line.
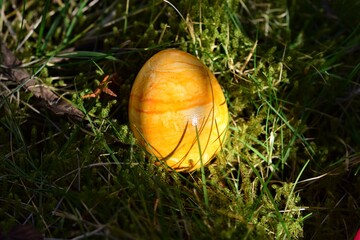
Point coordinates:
[[289, 170]]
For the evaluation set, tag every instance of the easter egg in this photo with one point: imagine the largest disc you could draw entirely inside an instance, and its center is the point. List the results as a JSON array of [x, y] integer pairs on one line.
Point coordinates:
[[177, 110]]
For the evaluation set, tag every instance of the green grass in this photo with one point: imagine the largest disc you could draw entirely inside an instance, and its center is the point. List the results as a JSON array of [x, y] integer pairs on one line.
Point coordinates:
[[289, 169]]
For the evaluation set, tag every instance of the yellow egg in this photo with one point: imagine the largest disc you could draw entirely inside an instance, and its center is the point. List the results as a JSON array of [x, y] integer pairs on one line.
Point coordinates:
[[176, 108]]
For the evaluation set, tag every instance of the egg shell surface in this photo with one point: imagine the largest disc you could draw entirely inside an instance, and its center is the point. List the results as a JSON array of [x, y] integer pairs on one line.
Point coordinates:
[[176, 108]]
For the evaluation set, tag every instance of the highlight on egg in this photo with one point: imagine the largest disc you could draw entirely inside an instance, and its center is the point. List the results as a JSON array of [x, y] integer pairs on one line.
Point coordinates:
[[177, 110]]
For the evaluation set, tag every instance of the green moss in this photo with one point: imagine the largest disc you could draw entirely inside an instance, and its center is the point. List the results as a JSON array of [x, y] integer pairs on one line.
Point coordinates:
[[293, 116]]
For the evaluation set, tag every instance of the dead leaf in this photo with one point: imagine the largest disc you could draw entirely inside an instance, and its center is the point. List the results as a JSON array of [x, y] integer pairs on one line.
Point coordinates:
[[11, 68]]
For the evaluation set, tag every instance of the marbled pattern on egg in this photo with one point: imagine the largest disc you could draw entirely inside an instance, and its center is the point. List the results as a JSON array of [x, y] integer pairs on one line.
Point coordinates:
[[174, 102]]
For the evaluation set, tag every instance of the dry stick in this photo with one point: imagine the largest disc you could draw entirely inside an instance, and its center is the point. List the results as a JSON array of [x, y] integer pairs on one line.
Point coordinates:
[[248, 58], [10, 67]]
